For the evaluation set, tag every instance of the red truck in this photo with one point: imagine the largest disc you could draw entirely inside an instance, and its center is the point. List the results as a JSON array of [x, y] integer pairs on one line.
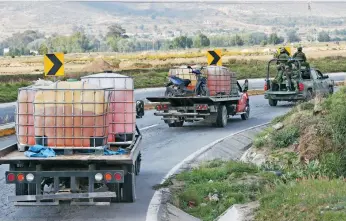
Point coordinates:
[[225, 98]]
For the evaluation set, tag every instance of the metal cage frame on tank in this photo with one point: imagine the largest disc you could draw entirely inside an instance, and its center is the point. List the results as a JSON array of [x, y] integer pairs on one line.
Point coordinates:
[[221, 86], [122, 107], [80, 122], [24, 121]]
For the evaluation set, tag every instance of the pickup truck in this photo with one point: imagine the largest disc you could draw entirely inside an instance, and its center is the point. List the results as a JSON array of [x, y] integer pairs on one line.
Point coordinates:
[[310, 82]]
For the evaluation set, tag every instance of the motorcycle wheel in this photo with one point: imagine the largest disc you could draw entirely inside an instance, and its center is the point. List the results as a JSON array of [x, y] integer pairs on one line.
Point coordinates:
[[204, 91], [169, 92]]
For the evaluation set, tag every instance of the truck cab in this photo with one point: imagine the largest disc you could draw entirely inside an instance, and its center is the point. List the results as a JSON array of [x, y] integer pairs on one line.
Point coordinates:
[[309, 82]]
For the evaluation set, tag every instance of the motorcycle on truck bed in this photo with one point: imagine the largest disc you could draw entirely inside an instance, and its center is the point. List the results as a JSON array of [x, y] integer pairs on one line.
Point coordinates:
[[225, 98]]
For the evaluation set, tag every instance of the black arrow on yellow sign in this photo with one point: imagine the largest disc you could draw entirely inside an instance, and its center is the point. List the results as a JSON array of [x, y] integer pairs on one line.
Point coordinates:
[[214, 58], [56, 64]]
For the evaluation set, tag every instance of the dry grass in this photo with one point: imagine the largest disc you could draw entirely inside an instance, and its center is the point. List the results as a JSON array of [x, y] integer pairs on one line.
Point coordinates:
[[74, 63]]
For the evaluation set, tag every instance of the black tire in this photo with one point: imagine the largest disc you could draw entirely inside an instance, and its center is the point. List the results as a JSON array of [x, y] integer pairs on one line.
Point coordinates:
[[222, 117], [246, 115], [309, 95], [272, 102], [331, 90], [129, 186], [204, 91], [138, 164], [179, 123], [170, 92], [171, 124]]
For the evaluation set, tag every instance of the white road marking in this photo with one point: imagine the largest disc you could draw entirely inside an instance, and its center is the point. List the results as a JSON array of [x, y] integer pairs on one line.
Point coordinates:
[[145, 128], [155, 203]]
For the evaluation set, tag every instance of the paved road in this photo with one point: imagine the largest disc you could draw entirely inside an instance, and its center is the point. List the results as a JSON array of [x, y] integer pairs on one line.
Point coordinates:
[[163, 148]]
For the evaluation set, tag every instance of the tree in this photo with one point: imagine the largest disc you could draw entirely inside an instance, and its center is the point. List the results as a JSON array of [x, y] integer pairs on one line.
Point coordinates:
[[292, 36], [115, 30], [238, 40], [323, 37], [43, 49], [182, 42], [201, 40], [275, 39]]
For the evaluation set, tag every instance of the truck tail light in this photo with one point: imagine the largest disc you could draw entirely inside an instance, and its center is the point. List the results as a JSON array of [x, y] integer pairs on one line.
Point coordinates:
[[265, 86], [98, 177], [161, 107], [11, 177], [301, 86], [202, 107], [108, 177], [29, 177], [20, 177], [118, 176]]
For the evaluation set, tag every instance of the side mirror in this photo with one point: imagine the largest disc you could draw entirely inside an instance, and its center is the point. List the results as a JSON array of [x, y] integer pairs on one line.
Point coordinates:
[[325, 76], [189, 67], [139, 109]]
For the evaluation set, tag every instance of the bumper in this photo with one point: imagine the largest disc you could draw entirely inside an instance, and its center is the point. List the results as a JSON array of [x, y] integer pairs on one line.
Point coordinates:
[[292, 96], [72, 192]]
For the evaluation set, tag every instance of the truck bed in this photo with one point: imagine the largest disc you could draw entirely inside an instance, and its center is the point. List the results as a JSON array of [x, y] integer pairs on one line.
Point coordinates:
[[10, 154], [194, 100]]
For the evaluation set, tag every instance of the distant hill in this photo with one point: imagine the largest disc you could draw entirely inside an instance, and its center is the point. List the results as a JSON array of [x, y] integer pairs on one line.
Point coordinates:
[[163, 20]]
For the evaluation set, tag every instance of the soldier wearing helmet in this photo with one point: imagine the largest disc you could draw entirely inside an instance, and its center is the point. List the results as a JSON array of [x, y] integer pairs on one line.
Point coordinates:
[[300, 55], [282, 60]]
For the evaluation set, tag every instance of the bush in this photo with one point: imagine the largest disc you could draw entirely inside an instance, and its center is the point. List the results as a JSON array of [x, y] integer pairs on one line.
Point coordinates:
[[336, 107], [285, 137]]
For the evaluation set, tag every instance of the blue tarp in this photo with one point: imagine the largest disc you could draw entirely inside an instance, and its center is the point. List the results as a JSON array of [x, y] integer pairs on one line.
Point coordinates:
[[42, 151]]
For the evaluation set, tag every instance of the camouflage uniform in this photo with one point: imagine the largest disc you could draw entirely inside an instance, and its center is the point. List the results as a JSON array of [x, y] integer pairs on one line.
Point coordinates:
[[299, 55], [281, 65]]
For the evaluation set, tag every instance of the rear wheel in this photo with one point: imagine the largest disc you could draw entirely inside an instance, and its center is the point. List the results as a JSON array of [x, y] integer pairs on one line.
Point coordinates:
[[179, 123], [138, 164], [272, 102], [246, 115], [331, 89], [309, 95], [222, 117]]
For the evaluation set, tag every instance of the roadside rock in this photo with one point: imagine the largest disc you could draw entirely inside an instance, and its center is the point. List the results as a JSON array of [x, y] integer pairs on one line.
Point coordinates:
[[213, 197], [176, 214], [318, 104], [251, 156], [240, 212], [278, 126]]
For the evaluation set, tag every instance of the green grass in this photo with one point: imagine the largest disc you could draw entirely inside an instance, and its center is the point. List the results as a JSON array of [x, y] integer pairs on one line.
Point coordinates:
[[285, 137], [232, 182], [305, 201], [9, 91]]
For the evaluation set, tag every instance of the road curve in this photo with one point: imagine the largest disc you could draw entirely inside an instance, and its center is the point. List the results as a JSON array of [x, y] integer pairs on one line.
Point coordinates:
[[163, 148]]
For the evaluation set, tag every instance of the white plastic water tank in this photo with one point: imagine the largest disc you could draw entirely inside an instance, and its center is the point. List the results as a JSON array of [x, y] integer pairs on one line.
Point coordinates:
[[122, 107]]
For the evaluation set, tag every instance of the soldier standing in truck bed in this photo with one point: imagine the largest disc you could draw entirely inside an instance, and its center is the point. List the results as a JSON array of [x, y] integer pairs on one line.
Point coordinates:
[[299, 55], [283, 56]]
